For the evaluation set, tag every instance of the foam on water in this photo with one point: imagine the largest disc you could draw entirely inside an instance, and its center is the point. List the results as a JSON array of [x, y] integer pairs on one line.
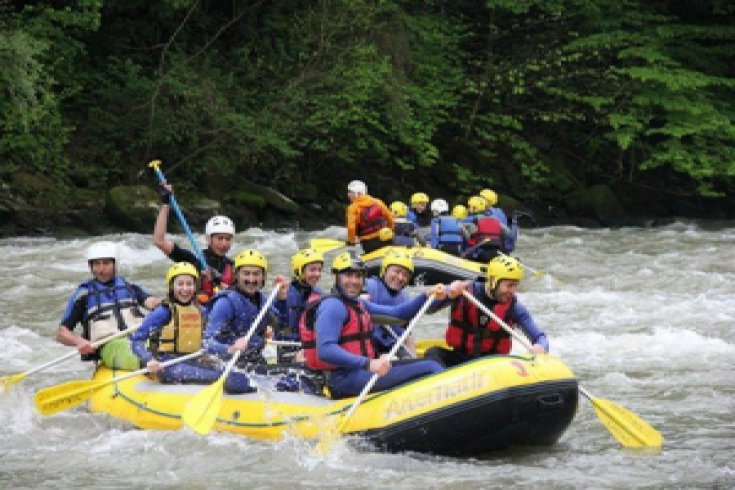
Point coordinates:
[[643, 316]]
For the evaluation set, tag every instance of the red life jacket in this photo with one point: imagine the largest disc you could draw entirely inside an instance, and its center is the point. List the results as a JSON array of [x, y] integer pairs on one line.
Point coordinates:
[[209, 289], [488, 229], [356, 335], [371, 220], [471, 332]]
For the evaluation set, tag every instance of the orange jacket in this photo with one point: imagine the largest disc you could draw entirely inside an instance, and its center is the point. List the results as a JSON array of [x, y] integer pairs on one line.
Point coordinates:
[[354, 212]]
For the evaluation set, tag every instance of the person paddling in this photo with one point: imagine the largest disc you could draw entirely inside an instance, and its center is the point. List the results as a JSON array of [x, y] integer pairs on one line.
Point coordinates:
[[234, 310], [175, 329], [336, 332], [104, 305], [473, 334], [219, 231]]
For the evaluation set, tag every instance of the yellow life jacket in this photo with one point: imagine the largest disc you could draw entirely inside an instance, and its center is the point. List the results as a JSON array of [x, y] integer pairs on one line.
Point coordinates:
[[183, 333]]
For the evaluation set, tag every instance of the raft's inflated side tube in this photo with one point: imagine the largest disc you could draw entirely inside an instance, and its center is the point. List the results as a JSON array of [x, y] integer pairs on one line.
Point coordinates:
[[474, 408], [431, 266]]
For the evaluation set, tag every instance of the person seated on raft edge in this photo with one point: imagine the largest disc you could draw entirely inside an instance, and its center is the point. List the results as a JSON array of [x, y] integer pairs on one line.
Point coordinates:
[[446, 233], [307, 265], [104, 305], [488, 235], [219, 231], [175, 329], [389, 289], [405, 232], [471, 333], [233, 311], [491, 199], [369, 221], [336, 333]]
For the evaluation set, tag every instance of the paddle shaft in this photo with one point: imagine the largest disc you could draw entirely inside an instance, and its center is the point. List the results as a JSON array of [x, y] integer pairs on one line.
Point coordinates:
[[392, 353], [251, 331], [524, 342], [533, 271], [155, 165], [75, 352]]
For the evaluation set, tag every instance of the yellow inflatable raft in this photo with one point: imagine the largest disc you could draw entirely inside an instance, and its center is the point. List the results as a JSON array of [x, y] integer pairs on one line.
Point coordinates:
[[480, 406], [431, 266]]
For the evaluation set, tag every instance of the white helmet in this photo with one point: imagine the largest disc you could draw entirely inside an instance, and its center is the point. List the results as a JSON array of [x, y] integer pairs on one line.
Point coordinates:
[[357, 186], [219, 224], [439, 206], [102, 250]]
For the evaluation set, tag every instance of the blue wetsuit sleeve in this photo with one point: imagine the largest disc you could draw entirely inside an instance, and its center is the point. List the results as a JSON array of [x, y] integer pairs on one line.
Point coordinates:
[[74, 312], [405, 311], [218, 318], [330, 316], [509, 242], [524, 319], [153, 322]]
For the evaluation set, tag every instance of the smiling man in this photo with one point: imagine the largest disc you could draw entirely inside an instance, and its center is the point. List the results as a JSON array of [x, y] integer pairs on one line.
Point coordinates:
[[396, 270], [471, 333], [235, 309], [336, 333]]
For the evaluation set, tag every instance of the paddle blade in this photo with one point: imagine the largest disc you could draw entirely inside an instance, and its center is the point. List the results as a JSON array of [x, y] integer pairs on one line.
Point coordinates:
[[65, 396], [329, 436], [628, 428], [201, 412], [7, 381], [325, 244]]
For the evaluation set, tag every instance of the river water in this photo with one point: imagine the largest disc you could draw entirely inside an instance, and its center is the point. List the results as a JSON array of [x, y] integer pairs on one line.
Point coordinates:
[[643, 316]]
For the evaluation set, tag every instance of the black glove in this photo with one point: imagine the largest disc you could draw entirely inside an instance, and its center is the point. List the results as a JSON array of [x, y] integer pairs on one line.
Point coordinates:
[[164, 193]]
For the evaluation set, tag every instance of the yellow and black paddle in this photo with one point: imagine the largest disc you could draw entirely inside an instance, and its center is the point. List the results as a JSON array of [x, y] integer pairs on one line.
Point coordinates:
[[7, 381], [201, 411], [70, 394], [331, 435], [625, 426]]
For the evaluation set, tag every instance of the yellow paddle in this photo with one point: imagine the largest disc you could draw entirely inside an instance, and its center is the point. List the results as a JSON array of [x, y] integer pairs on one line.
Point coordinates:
[[70, 394], [533, 271], [7, 381], [201, 411], [330, 436], [325, 245], [625, 426]]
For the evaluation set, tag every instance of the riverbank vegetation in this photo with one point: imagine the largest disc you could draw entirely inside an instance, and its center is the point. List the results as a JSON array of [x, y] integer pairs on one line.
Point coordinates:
[[601, 108]]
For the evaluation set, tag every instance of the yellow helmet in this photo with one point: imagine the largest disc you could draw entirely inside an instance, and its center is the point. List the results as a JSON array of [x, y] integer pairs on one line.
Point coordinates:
[[476, 204], [490, 197], [503, 267], [251, 257], [304, 257], [180, 269], [347, 261], [399, 209], [396, 257], [419, 198], [459, 211]]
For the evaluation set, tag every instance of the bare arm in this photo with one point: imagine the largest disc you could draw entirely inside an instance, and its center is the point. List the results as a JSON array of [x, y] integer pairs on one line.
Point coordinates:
[[159, 231], [67, 337]]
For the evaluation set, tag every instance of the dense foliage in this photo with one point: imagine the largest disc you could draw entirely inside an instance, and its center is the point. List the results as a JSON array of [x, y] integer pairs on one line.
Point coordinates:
[[535, 97]]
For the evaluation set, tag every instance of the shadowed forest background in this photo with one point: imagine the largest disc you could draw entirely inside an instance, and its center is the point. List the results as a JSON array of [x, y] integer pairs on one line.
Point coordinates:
[[588, 112]]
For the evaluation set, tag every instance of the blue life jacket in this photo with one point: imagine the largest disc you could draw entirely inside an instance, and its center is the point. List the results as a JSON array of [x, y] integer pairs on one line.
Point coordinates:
[[449, 231], [110, 308]]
